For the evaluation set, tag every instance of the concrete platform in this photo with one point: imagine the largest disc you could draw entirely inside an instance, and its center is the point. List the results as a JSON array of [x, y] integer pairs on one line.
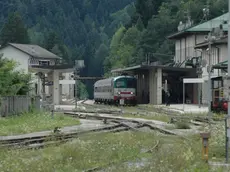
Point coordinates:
[[187, 108], [84, 126]]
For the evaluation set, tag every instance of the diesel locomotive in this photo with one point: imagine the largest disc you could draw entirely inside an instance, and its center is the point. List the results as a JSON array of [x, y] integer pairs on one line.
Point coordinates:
[[112, 90]]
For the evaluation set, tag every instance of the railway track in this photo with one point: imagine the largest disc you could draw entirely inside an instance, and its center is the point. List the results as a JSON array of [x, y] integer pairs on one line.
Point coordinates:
[[115, 124], [158, 110], [196, 120], [56, 138], [143, 122]]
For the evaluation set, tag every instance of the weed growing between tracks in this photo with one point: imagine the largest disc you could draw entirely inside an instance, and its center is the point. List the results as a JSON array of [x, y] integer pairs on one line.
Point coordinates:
[[157, 117], [34, 122], [111, 152]]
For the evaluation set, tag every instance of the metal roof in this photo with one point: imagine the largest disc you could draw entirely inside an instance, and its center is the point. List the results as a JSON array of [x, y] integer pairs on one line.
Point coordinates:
[[221, 65], [107, 82], [126, 69], [148, 67], [204, 27], [104, 82], [35, 51]]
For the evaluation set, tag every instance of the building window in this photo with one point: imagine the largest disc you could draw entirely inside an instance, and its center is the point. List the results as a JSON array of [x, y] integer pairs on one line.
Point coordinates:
[[44, 63], [33, 61]]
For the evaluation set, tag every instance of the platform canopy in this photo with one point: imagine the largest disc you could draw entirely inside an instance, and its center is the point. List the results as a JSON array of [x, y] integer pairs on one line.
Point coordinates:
[[64, 68], [193, 80], [222, 65]]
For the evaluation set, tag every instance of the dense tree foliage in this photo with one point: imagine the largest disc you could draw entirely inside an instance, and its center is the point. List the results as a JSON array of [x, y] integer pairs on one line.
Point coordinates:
[[13, 82], [107, 33], [145, 35], [73, 29], [14, 31]]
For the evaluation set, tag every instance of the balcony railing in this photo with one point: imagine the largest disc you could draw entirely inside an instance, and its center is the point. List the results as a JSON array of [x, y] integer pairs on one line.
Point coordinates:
[[189, 54], [186, 53]]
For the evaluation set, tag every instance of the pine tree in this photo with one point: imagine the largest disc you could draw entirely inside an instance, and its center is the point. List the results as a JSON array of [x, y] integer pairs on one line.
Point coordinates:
[[140, 26], [51, 40], [14, 31]]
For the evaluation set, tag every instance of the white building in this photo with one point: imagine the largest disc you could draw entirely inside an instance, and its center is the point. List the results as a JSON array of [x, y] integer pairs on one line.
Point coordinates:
[[192, 44], [34, 59]]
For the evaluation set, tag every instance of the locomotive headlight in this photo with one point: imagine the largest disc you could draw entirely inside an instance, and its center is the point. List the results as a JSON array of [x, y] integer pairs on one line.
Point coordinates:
[[131, 92], [119, 93]]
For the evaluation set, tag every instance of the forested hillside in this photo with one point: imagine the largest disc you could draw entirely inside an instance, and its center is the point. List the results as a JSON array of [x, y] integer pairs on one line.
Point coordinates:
[[106, 33], [73, 29], [154, 20]]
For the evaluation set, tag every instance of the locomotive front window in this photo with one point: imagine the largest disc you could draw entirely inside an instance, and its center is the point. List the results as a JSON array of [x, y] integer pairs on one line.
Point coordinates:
[[120, 84], [126, 83], [131, 83]]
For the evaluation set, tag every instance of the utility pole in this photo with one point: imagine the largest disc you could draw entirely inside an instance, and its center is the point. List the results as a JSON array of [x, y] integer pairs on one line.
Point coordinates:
[[79, 64], [209, 76], [209, 69], [199, 73], [75, 77], [228, 116]]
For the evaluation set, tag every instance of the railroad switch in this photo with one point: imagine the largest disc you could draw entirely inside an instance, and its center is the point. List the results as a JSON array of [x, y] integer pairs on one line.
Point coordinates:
[[173, 120], [205, 137], [105, 121]]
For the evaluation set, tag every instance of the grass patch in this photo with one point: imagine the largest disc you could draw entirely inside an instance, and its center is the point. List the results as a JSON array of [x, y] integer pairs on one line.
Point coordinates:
[[163, 118], [182, 125], [34, 122], [96, 150], [195, 114]]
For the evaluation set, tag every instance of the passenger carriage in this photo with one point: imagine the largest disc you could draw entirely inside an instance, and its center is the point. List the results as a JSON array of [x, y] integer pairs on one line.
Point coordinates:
[[112, 90]]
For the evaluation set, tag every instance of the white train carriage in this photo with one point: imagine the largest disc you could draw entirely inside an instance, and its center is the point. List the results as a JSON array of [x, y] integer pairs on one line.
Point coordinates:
[[111, 90]]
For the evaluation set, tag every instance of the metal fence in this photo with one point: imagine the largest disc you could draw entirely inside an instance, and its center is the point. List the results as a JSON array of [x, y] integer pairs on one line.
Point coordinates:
[[13, 105]]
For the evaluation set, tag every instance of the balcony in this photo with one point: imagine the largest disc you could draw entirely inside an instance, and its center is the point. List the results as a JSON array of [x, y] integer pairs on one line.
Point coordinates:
[[191, 57], [184, 54]]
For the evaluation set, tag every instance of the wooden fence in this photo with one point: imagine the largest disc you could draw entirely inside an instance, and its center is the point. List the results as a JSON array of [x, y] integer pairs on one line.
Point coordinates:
[[13, 105]]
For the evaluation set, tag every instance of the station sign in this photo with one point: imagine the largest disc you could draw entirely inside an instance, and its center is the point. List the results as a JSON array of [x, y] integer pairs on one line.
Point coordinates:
[[49, 83]]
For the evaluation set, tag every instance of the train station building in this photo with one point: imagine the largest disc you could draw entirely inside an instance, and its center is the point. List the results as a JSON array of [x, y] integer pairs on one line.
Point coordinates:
[[192, 59], [154, 79]]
